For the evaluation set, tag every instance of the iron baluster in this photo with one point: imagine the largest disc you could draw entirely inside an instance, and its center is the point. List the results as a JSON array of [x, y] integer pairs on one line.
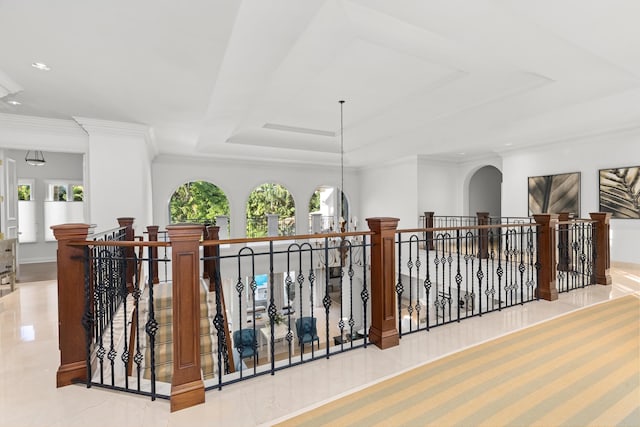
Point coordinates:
[[458, 275], [399, 287], [88, 319]]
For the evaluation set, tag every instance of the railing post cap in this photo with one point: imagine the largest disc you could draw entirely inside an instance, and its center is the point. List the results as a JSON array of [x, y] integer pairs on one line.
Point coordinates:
[[545, 218], [126, 219], [70, 231], [383, 223], [185, 231], [601, 216]]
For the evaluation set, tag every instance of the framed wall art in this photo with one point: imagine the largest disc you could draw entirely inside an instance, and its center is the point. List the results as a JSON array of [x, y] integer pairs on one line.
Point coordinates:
[[620, 192], [555, 194]]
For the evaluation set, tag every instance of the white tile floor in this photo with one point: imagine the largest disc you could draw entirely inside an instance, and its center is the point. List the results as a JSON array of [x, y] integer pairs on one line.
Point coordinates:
[[29, 359]]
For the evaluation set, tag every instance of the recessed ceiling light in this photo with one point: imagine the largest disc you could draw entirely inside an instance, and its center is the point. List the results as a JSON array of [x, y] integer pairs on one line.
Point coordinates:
[[12, 102], [462, 153], [508, 144], [41, 66]]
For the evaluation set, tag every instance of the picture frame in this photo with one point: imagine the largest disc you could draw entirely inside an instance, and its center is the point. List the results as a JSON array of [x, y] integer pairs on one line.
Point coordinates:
[[555, 194], [619, 192]]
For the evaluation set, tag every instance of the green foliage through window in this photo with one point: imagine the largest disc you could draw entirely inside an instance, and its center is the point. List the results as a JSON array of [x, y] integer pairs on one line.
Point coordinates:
[[198, 201], [24, 192], [268, 199], [314, 202], [78, 193]]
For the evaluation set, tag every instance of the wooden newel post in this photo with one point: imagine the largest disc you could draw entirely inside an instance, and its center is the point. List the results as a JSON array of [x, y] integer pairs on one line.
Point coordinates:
[[212, 232], [152, 231], [483, 235], [129, 252], [383, 331], [547, 256], [602, 248], [187, 387], [428, 223], [71, 304]]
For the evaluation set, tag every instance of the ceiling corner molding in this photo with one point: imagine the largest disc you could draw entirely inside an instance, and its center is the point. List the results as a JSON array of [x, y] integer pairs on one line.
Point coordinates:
[[543, 144], [8, 86], [56, 126], [99, 126], [113, 128]]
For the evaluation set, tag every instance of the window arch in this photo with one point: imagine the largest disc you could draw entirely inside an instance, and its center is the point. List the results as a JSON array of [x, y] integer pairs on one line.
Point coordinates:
[[199, 202], [325, 203], [270, 198]]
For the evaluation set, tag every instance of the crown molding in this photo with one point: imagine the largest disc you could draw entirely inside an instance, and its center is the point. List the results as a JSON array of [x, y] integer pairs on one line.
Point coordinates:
[[546, 143], [169, 158], [8, 86], [41, 124]]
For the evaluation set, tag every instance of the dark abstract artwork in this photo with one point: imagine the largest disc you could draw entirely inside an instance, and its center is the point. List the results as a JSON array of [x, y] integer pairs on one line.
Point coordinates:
[[555, 194], [620, 192]]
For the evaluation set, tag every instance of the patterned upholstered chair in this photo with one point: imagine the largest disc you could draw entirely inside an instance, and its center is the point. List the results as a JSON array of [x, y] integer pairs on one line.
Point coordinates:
[[306, 330]]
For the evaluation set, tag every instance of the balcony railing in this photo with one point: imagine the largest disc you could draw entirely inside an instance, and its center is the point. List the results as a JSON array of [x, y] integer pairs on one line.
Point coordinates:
[[172, 317]]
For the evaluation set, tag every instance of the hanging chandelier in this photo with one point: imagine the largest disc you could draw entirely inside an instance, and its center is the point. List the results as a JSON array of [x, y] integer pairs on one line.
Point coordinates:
[[341, 195], [35, 158]]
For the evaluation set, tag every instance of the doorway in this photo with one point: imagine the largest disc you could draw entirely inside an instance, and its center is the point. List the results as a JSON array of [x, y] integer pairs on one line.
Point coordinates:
[[485, 191]]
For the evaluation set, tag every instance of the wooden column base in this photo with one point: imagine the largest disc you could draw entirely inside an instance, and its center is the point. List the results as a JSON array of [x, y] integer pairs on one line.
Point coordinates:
[[187, 395], [604, 280], [70, 373], [547, 294], [384, 339]]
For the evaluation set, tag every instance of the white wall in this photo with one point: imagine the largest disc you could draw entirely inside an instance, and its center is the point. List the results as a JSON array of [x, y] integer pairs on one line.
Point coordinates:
[[438, 187], [587, 156], [391, 190], [238, 178]]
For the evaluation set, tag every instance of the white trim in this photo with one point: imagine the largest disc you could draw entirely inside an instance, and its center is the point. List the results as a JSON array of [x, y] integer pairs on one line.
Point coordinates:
[[37, 260]]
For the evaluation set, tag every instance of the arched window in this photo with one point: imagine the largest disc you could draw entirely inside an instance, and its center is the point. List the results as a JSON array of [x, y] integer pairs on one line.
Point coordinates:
[[199, 202], [325, 204], [269, 199]]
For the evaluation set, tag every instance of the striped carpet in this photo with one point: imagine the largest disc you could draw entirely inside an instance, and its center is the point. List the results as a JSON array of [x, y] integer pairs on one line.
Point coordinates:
[[576, 370]]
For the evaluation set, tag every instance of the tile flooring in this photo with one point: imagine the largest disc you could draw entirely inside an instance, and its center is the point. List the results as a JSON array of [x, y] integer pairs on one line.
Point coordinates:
[[29, 359]]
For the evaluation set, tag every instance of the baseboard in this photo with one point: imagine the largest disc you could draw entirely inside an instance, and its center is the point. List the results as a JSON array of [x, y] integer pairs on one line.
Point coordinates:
[[621, 264], [36, 260]]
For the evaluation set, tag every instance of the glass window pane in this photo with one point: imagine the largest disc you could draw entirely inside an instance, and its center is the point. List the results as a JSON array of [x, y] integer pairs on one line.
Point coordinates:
[[24, 192]]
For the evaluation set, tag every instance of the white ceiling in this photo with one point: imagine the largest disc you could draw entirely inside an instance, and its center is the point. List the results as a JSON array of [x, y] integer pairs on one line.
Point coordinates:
[[262, 78]]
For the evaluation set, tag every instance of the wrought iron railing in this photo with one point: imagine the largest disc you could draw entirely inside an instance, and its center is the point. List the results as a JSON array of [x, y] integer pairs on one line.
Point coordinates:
[[456, 276], [295, 301], [120, 319], [576, 254], [106, 278], [255, 296]]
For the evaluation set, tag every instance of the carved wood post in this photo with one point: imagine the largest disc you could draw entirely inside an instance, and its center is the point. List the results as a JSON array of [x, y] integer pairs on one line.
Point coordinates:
[[152, 230], [547, 256], [71, 304], [129, 252], [187, 387], [428, 223], [564, 243], [383, 331], [483, 235], [601, 247], [212, 233]]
